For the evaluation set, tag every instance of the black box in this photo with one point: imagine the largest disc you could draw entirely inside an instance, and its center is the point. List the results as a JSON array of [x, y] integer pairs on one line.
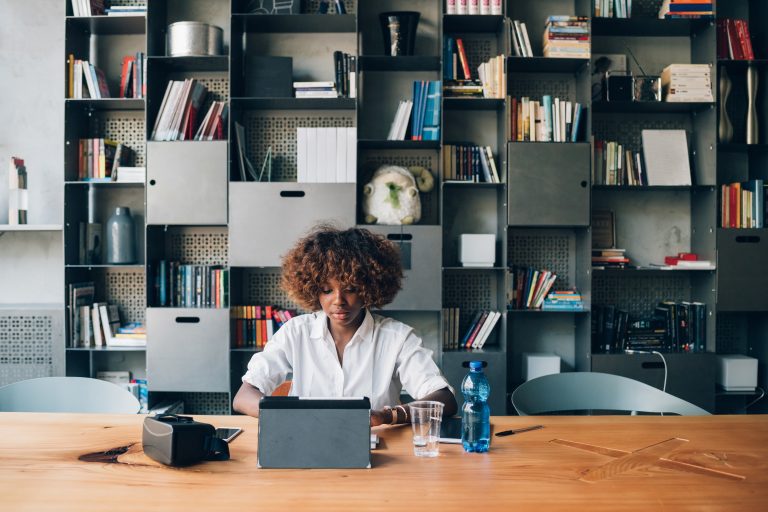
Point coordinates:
[[619, 87], [268, 77]]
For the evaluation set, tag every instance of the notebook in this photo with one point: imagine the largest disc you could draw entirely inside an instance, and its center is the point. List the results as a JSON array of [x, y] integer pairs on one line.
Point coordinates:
[[299, 432]]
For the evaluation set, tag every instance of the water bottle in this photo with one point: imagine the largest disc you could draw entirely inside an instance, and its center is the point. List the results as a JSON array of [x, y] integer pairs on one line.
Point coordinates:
[[475, 415]]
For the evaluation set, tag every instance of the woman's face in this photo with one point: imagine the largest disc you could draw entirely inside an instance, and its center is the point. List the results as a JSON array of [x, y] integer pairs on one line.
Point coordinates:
[[342, 305]]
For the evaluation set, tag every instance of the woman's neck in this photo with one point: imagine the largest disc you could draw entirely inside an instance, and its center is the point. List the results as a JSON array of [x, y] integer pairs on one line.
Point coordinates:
[[342, 334]]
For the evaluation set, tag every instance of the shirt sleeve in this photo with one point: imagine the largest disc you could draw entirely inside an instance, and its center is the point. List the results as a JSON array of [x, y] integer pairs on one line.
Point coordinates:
[[271, 367], [418, 373]]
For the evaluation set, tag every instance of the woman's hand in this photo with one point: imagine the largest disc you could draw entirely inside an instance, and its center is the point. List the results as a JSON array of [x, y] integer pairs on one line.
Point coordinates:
[[380, 417]]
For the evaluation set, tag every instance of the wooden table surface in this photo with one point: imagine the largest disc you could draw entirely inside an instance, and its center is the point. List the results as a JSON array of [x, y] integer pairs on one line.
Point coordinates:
[[573, 463]]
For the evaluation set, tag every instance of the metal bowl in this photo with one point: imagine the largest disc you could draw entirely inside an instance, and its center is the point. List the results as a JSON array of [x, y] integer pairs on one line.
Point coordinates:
[[193, 38]]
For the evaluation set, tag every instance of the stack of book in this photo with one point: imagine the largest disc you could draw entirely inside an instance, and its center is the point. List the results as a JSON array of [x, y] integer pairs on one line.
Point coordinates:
[[529, 287], [455, 61], [548, 120], [733, 40], [685, 324], [609, 258], [124, 174], [133, 76], [613, 8], [493, 78], [742, 205], [687, 83], [422, 113], [345, 68], [479, 329], [521, 43], [180, 285], [315, 90], [473, 7], [99, 159], [126, 10], [686, 261], [567, 37], [85, 80], [687, 9], [97, 324], [463, 88], [254, 326], [617, 165], [326, 155], [451, 319], [466, 162], [179, 114], [563, 300]]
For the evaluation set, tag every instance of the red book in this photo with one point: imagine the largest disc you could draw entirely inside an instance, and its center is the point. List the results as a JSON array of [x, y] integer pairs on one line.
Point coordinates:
[[744, 40], [463, 59], [478, 325], [513, 120], [733, 205], [733, 41], [722, 40]]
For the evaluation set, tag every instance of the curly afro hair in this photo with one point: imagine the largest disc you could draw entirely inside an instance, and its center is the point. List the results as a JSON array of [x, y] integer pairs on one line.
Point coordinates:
[[353, 257]]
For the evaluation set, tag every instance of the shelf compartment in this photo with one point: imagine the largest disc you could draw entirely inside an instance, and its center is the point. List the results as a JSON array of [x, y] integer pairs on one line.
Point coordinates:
[[646, 27], [188, 349], [546, 65], [256, 242], [453, 103], [403, 63], [294, 103], [647, 107], [191, 64], [742, 279], [296, 23], [109, 25], [462, 24]]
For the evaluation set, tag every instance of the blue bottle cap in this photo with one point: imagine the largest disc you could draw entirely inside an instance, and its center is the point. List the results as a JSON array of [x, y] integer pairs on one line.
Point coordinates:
[[475, 365]]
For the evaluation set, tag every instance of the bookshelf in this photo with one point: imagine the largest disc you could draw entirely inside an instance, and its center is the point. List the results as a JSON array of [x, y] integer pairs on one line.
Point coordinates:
[[195, 208]]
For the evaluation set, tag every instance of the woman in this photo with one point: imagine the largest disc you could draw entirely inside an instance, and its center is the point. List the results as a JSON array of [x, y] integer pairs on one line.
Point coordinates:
[[343, 349]]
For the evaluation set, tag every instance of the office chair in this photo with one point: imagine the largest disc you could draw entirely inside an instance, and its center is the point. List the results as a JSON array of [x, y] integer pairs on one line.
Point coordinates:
[[67, 394], [591, 391]]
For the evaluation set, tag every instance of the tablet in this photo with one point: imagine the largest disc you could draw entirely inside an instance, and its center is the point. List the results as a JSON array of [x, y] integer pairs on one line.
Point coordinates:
[[297, 432]]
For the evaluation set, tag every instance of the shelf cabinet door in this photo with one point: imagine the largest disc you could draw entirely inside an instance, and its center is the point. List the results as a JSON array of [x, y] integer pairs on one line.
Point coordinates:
[[741, 276], [187, 183], [420, 250], [188, 349], [268, 218], [548, 184]]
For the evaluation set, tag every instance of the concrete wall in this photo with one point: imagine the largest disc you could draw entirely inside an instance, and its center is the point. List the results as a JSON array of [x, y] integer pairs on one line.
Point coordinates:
[[32, 65]]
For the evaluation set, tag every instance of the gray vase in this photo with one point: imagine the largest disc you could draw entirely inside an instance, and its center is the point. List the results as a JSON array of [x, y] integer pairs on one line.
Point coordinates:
[[121, 237], [752, 135], [725, 127]]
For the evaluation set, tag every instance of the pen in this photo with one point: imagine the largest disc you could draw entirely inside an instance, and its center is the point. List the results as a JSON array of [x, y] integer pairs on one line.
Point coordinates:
[[518, 430]]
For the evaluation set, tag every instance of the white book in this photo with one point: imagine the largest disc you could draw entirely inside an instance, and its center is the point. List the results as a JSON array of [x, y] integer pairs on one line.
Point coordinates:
[[317, 94], [533, 109], [486, 329], [98, 334], [311, 155], [92, 87], [524, 30], [203, 124], [665, 153], [86, 327], [563, 109], [450, 6], [496, 7], [301, 154], [556, 120], [178, 110], [403, 127], [462, 6], [485, 7], [155, 129], [473, 7], [310, 85], [393, 127], [166, 114], [351, 155], [520, 39], [75, 7], [78, 72], [341, 155]]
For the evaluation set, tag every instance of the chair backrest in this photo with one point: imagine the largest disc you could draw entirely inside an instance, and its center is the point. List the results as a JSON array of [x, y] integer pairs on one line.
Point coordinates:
[[591, 391], [67, 394]]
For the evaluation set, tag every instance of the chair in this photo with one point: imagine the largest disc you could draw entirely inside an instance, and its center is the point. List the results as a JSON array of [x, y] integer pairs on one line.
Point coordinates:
[[591, 391], [67, 394]]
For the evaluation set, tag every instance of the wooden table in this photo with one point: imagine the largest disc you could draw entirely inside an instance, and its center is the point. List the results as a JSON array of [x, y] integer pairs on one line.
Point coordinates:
[[588, 463]]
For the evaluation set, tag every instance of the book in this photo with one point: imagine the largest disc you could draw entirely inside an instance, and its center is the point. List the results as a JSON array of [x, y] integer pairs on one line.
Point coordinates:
[[486, 330], [665, 153]]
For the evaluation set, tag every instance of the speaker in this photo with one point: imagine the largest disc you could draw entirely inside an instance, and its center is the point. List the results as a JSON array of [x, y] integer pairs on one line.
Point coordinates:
[[619, 87]]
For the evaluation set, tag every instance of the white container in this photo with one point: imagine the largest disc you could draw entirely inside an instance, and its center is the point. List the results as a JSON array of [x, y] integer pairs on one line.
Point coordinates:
[[193, 38], [477, 250], [539, 364], [736, 372]]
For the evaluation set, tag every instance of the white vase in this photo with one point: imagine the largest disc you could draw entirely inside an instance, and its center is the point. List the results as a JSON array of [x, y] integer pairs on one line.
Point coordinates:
[[752, 135]]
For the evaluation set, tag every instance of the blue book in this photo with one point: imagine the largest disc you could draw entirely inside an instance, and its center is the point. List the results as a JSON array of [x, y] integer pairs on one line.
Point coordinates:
[[690, 7], [432, 114], [448, 58], [162, 277], [547, 103], [576, 120], [431, 133]]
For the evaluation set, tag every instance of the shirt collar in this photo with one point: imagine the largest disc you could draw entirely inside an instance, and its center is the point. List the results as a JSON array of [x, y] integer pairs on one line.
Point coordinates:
[[320, 326]]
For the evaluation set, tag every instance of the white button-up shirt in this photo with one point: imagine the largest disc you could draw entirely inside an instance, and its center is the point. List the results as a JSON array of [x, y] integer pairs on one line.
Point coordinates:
[[383, 357]]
